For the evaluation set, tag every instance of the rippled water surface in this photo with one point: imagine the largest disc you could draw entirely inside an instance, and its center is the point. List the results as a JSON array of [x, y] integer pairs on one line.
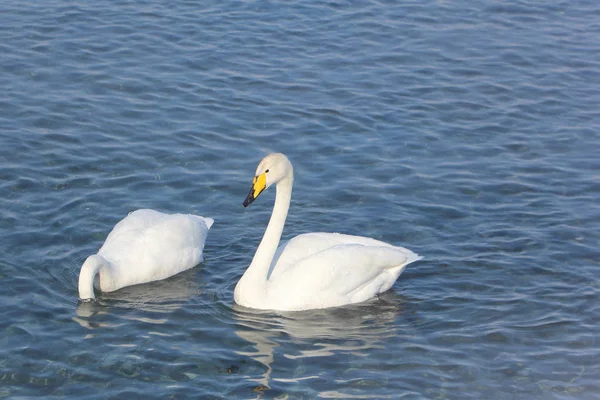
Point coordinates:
[[465, 131]]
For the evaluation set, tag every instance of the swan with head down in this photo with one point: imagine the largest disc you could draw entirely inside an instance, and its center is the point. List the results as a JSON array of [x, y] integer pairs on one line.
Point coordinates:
[[145, 246], [312, 270]]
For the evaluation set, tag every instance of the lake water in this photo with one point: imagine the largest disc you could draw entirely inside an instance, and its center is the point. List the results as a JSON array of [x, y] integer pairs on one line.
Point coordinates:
[[465, 131]]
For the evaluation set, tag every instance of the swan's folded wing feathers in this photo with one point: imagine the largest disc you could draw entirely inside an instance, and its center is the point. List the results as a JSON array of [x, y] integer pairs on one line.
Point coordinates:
[[307, 245], [164, 244], [340, 269], [126, 231], [177, 241]]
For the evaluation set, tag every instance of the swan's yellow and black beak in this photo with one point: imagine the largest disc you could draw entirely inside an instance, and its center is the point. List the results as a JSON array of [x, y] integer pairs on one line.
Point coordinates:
[[259, 183]]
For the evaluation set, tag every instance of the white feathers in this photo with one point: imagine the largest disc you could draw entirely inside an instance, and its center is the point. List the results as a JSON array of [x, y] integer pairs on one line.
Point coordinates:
[[145, 246], [313, 270]]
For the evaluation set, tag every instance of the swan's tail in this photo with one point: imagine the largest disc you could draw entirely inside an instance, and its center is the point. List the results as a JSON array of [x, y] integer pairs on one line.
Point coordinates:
[[209, 222], [413, 257], [410, 256]]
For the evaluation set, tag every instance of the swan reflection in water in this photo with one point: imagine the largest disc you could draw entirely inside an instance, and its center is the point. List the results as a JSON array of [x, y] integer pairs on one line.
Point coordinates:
[[353, 329], [156, 297]]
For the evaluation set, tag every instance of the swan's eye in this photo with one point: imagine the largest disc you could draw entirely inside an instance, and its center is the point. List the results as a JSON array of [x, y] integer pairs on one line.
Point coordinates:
[[266, 171]]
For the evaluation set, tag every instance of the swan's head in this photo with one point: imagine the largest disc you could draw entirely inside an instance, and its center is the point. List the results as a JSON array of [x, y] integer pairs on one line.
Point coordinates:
[[272, 169]]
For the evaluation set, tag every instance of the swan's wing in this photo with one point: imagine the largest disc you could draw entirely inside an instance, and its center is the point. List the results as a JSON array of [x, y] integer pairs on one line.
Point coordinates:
[[175, 244], [306, 245], [342, 274], [140, 219], [130, 229], [133, 225], [148, 246]]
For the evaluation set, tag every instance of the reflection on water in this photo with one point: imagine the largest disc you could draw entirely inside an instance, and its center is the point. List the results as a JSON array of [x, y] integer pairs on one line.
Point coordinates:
[[158, 297], [354, 329], [402, 124], [264, 354]]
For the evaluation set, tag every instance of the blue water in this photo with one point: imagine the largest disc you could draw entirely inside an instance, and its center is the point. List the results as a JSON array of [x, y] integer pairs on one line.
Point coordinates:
[[465, 131]]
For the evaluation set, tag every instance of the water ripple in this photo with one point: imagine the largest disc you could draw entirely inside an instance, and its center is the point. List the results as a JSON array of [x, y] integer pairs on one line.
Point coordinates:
[[465, 132]]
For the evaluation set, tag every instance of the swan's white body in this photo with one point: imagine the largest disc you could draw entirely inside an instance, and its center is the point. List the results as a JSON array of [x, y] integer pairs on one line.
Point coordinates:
[[313, 270], [145, 246]]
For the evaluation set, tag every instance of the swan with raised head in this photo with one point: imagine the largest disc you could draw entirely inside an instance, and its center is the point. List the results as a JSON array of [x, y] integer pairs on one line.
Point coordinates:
[[312, 270], [145, 246]]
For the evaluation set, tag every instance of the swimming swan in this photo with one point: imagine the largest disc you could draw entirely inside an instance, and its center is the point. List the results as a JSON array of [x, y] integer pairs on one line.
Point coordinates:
[[145, 246], [312, 270]]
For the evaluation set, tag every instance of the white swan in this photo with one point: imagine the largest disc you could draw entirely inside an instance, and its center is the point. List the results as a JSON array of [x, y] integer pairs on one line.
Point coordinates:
[[312, 270], [145, 246]]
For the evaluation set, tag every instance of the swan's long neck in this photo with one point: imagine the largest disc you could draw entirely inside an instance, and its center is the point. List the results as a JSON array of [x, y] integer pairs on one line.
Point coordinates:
[[268, 245], [255, 277], [90, 268]]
